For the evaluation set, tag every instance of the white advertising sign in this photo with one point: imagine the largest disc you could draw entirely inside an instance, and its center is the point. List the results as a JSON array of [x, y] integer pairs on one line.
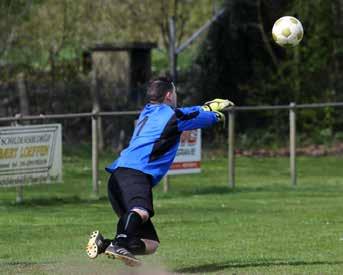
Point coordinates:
[[188, 156], [30, 155]]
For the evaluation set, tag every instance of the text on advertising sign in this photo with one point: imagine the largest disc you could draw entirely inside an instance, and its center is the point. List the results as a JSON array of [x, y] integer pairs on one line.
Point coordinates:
[[30, 155], [188, 155]]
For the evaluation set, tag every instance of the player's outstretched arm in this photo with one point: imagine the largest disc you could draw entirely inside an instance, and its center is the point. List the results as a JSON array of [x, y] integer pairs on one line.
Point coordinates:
[[195, 117]]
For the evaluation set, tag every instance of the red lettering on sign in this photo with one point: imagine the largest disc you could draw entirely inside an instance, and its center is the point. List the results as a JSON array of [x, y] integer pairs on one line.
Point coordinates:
[[185, 165], [189, 137]]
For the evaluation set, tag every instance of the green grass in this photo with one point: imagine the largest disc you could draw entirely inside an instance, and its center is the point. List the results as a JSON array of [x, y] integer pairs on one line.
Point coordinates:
[[264, 226]]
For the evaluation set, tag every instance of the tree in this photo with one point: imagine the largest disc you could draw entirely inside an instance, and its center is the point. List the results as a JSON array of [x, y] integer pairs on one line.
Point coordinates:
[[12, 13], [239, 60]]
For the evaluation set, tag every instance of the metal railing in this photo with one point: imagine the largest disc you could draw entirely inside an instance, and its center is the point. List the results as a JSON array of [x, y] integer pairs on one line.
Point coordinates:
[[292, 107], [95, 138]]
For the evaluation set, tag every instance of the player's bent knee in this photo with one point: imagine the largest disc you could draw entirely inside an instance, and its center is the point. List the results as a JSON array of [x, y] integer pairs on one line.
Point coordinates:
[[150, 246], [144, 214]]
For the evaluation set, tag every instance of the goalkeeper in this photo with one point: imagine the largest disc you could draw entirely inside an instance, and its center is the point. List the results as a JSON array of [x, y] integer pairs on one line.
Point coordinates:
[[142, 165]]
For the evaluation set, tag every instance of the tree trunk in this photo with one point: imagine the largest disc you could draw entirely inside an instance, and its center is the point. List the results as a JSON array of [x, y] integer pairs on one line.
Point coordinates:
[[23, 97], [52, 88], [337, 8]]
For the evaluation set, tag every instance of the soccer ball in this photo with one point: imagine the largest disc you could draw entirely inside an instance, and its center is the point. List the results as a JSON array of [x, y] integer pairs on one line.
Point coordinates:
[[288, 31]]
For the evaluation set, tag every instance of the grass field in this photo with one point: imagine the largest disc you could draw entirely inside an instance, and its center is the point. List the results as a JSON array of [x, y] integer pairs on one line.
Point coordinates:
[[264, 226]]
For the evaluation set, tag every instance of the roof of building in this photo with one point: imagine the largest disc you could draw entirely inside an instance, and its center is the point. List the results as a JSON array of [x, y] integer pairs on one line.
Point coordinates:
[[123, 46]]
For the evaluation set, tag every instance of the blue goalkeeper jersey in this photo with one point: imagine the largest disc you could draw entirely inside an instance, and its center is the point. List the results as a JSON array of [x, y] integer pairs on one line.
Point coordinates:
[[156, 138]]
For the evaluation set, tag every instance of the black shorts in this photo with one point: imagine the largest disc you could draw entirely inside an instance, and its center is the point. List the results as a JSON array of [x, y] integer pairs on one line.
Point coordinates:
[[129, 188]]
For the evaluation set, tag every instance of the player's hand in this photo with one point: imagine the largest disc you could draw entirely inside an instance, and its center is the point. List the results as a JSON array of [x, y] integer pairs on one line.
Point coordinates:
[[217, 104], [220, 116]]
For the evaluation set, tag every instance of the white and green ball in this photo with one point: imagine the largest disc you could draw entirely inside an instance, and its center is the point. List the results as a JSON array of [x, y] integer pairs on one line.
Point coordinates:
[[288, 31]]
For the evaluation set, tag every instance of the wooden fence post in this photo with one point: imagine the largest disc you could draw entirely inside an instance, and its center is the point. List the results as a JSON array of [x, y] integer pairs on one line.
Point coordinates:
[[19, 189], [24, 111], [231, 149], [95, 154], [292, 143], [166, 184]]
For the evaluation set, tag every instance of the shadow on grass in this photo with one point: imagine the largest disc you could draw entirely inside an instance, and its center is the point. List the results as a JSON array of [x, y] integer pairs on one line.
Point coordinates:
[[220, 266], [23, 264], [177, 193], [225, 190], [222, 190], [56, 201]]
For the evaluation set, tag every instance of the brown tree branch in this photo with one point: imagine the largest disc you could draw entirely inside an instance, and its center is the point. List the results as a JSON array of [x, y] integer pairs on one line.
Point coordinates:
[[265, 39]]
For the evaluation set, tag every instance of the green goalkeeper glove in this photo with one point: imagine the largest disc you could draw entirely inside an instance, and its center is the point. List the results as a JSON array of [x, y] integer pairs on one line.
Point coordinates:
[[220, 116], [217, 104]]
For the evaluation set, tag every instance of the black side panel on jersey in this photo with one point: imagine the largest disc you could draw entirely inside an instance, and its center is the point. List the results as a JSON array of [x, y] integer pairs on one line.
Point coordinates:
[[183, 116], [170, 134], [169, 137]]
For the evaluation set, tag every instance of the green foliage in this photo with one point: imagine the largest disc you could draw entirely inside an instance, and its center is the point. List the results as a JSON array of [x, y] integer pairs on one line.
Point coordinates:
[[301, 73], [34, 30], [261, 138], [234, 61], [339, 136], [184, 61], [237, 62]]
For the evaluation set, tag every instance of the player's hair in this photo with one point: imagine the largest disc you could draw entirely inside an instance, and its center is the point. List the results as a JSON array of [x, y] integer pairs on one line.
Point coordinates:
[[158, 88]]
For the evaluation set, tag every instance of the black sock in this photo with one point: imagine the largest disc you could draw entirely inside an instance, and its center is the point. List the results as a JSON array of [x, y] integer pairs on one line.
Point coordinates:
[[120, 225], [105, 244], [127, 228], [137, 246]]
